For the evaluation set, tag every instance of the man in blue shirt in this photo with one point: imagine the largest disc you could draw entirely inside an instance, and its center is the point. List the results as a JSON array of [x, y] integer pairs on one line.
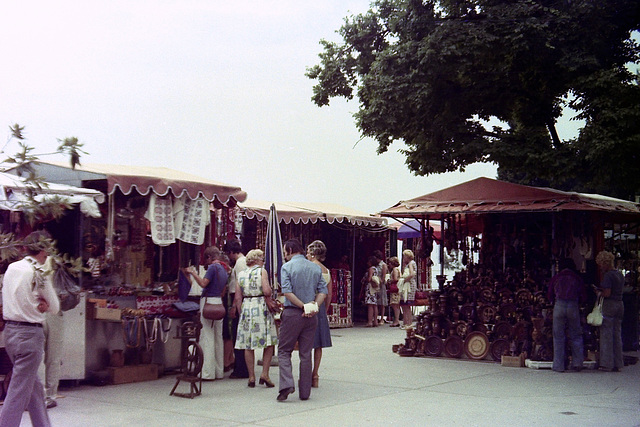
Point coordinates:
[[304, 290]]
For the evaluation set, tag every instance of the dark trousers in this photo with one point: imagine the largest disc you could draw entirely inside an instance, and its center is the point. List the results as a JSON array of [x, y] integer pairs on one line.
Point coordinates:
[[296, 328], [239, 365]]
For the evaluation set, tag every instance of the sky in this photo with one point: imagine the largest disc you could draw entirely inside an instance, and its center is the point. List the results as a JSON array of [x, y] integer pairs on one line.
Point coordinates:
[[213, 88]]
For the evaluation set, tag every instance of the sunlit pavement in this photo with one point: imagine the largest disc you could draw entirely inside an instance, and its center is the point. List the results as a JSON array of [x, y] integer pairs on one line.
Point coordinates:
[[362, 382]]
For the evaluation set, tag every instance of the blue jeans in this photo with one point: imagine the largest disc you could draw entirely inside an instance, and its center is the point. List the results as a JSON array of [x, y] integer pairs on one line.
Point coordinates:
[[611, 334], [566, 325]]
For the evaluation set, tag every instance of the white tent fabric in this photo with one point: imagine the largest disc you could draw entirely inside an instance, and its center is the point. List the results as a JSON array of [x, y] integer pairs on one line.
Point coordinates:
[[14, 189], [305, 213]]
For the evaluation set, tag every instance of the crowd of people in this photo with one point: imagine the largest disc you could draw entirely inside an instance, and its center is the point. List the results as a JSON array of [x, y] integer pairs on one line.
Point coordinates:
[[30, 301], [386, 284], [230, 343]]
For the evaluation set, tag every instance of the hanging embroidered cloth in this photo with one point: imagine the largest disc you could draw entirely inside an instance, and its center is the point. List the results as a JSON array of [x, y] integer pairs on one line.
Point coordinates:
[[191, 219], [160, 215]]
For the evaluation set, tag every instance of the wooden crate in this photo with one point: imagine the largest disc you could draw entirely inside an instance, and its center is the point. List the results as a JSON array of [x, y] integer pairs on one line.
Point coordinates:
[[132, 373], [513, 361]]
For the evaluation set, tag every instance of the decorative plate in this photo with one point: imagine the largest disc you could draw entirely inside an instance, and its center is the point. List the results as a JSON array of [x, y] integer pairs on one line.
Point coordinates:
[[433, 346], [476, 345], [454, 346]]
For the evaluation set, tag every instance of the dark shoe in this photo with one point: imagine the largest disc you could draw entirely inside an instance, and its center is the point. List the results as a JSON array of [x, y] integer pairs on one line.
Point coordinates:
[[304, 398], [284, 393], [576, 368], [228, 368], [615, 370], [51, 404], [251, 383], [266, 382]]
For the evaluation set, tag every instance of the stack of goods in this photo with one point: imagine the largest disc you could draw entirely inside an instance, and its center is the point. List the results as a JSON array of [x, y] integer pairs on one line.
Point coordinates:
[[482, 313]]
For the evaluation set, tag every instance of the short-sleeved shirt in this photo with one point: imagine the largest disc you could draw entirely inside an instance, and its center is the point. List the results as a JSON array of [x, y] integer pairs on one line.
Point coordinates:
[[613, 280], [239, 266], [22, 288], [217, 276], [303, 278]]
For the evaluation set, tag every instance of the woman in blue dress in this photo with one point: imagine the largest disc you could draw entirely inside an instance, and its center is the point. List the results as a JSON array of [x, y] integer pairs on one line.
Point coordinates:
[[316, 253]]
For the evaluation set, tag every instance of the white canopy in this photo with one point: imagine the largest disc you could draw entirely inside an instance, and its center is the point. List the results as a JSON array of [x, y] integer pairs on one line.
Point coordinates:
[[13, 194], [309, 213]]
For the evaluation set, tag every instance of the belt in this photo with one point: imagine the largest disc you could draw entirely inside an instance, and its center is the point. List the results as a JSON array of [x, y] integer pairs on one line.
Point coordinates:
[[13, 322], [253, 296]]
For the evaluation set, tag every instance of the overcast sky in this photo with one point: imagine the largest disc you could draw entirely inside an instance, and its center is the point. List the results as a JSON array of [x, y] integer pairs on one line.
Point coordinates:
[[213, 88]]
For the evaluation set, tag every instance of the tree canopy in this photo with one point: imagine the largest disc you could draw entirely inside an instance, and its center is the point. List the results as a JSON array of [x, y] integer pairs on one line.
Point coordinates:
[[38, 212], [433, 74]]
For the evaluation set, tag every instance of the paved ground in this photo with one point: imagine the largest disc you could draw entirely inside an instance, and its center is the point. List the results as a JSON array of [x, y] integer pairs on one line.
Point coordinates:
[[362, 382]]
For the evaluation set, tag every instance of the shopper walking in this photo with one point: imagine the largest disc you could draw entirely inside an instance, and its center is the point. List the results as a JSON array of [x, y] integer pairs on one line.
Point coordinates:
[[567, 291], [304, 290], [27, 294]]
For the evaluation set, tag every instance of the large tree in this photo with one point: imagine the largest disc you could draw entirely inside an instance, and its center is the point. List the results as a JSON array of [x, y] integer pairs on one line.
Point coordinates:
[[433, 74]]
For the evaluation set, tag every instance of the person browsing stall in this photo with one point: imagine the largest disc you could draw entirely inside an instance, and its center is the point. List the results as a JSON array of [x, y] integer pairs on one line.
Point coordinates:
[[213, 285], [304, 290]]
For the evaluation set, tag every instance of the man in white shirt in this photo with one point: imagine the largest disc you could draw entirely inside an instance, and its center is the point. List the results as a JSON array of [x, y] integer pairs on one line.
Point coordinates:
[[27, 294], [233, 249]]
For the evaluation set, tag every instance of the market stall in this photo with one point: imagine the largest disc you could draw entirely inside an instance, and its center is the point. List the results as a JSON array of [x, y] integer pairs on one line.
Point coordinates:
[[510, 238], [350, 237], [156, 220], [77, 205]]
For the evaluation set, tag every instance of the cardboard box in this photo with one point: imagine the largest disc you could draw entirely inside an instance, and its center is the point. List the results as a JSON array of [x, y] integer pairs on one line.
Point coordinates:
[[100, 313], [513, 361], [98, 302], [132, 373]]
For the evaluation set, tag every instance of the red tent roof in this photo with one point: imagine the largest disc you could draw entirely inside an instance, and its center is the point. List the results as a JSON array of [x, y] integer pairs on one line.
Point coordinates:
[[486, 195]]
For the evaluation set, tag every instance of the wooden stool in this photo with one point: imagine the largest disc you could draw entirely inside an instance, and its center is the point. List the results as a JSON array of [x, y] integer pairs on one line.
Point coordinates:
[[191, 372]]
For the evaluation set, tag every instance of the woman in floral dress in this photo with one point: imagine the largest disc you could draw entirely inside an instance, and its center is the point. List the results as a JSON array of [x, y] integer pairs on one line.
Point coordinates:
[[256, 327]]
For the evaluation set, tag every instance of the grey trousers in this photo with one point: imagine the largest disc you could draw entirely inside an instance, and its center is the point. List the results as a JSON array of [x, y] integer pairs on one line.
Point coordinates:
[[49, 371], [296, 328], [25, 347], [611, 334]]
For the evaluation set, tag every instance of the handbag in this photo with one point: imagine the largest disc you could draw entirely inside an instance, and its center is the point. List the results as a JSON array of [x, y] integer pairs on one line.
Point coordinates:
[[66, 288], [404, 287], [375, 282], [273, 305], [213, 311], [393, 288], [595, 317]]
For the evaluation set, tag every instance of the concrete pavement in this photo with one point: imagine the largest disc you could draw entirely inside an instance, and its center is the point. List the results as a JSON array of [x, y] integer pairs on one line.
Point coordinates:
[[362, 382]]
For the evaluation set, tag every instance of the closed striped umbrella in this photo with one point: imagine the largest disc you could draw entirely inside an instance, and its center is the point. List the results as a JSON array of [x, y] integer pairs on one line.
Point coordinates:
[[273, 250]]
